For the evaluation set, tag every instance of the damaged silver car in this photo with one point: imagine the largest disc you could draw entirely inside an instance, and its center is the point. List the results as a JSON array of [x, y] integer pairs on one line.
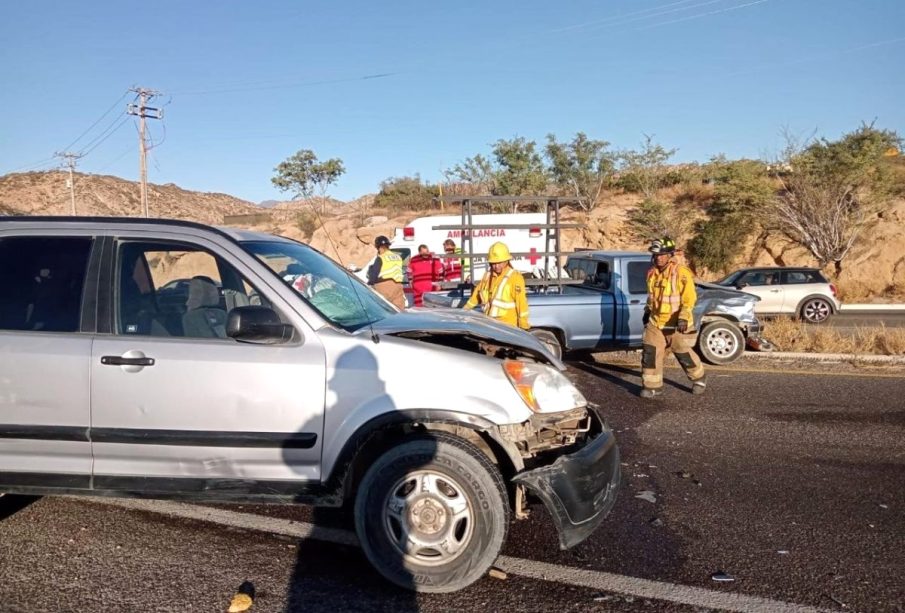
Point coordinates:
[[273, 375]]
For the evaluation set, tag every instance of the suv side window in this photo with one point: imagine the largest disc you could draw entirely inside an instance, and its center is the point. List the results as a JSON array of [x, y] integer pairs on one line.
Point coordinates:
[[168, 289], [637, 277], [43, 278], [799, 277]]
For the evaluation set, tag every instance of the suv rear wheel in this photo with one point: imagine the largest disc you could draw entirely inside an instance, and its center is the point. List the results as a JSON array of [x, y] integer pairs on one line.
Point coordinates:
[[432, 514], [816, 310]]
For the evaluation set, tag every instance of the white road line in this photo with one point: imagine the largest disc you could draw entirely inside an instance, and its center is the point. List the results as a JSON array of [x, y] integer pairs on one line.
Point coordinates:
[[578, 577]]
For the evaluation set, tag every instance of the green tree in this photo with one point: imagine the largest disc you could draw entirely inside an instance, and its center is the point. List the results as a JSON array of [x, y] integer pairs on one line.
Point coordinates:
[[655, 218], [520, 168], [645, 170], [477, 171], [304, 175], [406, 194], [829, 189], [743, 191], [583, 167]]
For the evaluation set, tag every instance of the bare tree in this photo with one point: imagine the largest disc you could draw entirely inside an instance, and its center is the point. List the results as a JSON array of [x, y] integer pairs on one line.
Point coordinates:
[[830, 190]]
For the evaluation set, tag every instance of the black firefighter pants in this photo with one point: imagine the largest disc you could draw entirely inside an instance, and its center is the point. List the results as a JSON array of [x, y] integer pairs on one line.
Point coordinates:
[[655, 343]]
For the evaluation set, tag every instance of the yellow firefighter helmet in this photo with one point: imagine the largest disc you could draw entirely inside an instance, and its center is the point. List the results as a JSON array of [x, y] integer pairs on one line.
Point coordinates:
[[499, 252]]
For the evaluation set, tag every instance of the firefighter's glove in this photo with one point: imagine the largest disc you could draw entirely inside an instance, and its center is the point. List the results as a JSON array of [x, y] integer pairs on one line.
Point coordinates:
[[646, 317], [682, 326]]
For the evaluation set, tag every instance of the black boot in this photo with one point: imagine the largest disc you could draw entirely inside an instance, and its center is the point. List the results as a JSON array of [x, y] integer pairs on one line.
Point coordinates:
[[651, 392], [700, 386]]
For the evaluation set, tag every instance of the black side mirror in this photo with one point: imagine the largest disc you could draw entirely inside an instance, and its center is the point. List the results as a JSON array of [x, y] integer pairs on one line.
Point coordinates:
[[257, 324]]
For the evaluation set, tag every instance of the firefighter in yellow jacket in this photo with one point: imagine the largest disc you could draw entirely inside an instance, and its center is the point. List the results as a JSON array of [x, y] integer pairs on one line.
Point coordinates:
[[668, 321], [501, 292]]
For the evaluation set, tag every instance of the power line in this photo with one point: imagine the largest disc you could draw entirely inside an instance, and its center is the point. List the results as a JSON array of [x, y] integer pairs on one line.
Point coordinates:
[[285, 85], [690, 17], [99, 119], [621, 21], [34, 165], [595, 22], [110, 131]]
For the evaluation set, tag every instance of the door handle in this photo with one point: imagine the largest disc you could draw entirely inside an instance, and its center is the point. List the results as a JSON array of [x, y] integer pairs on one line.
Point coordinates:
[[635, 302], [115, 360], [775, 291]]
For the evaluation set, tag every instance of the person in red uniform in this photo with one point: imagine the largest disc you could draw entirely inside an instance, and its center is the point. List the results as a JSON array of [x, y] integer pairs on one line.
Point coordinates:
[[452, 263], [424, 271]]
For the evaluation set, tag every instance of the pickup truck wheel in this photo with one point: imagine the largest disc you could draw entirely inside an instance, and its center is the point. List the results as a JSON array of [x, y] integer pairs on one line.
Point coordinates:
[[721, 342], [432, 514], [816, 311], [549, 339]]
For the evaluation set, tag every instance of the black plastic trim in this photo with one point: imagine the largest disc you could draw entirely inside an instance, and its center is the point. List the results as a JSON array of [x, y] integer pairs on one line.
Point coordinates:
[[18, 480], [45, 433], [205, 438], [89, 292], [408, 416]]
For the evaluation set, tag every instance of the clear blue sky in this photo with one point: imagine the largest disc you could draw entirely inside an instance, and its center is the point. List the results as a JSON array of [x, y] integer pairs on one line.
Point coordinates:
[[249, 83]]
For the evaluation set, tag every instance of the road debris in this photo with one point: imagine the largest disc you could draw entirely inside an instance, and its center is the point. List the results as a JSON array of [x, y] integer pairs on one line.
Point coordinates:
[[496, 573], [647, 495], [656, 522], [243, 599], [722, 576], [684, 474], [783, 552]]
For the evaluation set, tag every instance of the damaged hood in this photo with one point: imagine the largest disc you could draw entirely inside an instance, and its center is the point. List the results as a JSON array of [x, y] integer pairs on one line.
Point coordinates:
[[717, 299], [415, 323]]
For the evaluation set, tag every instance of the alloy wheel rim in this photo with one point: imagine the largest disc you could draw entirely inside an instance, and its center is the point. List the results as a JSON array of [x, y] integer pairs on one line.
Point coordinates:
[[428, 518]]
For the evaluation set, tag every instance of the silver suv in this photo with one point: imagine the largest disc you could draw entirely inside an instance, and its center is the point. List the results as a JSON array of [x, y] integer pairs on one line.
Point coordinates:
[[799, 292], [169, 359]]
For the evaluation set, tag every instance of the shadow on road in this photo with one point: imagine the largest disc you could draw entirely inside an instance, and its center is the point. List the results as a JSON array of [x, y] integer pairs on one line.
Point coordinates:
[[11, 504]]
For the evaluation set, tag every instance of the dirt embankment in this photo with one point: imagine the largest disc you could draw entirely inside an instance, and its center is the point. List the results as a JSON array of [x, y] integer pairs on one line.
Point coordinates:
[[875, 269]]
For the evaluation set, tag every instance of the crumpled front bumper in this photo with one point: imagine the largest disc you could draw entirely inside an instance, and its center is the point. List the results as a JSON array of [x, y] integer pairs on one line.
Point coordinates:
[[579, 488]]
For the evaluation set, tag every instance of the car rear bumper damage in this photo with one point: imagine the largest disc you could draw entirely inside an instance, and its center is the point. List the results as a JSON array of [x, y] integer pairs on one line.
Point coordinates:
[[578, 488]]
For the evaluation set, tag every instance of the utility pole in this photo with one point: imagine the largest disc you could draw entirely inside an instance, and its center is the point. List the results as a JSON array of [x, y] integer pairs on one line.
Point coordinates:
[[143, 111], [70, 159]]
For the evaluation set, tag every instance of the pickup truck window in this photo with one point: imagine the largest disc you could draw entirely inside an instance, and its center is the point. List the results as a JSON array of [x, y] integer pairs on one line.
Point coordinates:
[[42, 279], [637, 277]]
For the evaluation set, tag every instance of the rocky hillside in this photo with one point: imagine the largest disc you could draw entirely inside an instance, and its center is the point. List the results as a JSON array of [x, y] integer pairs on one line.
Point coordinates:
[[47, 193], [875, 268]]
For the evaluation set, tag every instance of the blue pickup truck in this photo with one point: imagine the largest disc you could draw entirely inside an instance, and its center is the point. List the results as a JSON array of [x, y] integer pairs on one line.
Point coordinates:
[[602, 306]]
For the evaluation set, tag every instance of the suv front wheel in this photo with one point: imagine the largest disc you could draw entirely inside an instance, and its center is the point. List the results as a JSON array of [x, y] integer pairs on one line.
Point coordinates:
[[432, 513]]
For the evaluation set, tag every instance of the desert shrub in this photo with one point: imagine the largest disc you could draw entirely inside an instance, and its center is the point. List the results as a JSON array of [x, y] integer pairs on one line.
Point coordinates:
[[306, 221]]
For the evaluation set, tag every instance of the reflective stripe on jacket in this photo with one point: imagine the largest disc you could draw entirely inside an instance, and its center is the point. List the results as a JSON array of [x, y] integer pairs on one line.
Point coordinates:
[[671, 295], [390, 267], [502, 297]]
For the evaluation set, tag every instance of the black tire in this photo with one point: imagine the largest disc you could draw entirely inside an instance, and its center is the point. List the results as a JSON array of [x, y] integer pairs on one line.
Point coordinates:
[[550, 340], [815, 310], [721, 342], [455, 466]]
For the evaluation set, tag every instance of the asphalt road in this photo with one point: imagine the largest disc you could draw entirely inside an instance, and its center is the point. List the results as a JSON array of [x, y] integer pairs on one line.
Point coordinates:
[[792, 483]]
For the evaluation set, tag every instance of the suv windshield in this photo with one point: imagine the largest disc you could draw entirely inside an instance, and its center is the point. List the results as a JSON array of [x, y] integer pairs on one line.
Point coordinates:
[[334, 293], [731, 279]]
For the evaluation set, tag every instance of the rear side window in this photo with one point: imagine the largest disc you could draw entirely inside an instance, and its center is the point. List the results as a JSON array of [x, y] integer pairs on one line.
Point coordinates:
[[43, 278], [637, 277], [799, 277]]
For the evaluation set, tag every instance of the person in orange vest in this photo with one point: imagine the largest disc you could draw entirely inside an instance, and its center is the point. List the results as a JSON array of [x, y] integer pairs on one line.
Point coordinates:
[[668, 321], [424, 270], [502, 292], [385, 273]]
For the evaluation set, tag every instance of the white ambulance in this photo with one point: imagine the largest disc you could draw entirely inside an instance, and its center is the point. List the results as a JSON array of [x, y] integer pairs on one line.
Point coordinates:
[[527, 240]]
